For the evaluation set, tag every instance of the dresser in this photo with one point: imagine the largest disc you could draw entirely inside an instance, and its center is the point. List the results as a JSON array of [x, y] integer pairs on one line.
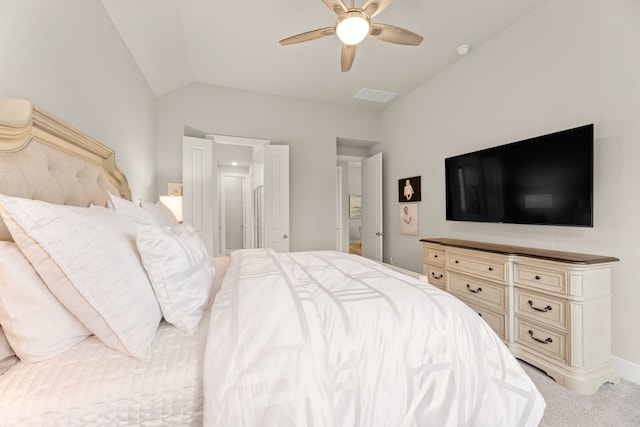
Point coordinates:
[[551, 308]]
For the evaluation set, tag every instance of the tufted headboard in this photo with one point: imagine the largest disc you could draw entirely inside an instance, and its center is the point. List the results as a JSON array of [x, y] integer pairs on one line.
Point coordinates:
[[44, 158]]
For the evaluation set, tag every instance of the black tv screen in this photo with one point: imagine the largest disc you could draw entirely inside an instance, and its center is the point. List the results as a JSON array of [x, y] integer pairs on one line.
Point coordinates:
[[544, 180]]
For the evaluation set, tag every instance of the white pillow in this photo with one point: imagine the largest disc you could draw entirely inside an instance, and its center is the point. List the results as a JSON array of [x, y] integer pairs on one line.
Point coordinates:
[[160, 212], [90, 263], [180, 271], [35, 323], [5, 348], [7, 356], [131, 214]]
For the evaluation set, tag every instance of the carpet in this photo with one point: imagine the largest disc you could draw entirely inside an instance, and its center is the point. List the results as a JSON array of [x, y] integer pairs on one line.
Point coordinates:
[[613, 405]]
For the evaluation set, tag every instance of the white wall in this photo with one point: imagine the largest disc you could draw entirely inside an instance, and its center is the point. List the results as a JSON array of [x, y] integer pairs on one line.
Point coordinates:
[[67, 57], [310, 129], [568, 63]]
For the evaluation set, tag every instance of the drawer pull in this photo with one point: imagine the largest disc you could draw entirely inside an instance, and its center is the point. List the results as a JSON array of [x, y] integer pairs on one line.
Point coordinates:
[[480, 314], [538, 277], [490, 268], [475, 291], [436, 277], [435, 256], [547, 341], [544, 310], [457, 262]]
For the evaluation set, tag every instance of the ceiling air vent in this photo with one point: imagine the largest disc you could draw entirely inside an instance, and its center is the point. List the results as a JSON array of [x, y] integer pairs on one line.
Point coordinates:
[[374, 95]]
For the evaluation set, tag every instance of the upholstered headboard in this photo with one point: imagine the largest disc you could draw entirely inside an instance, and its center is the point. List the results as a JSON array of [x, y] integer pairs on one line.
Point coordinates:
[[43, 158]]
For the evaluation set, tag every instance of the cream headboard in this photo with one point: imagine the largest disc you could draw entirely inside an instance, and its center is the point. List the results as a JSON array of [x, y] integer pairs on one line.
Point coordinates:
[[43, 158]]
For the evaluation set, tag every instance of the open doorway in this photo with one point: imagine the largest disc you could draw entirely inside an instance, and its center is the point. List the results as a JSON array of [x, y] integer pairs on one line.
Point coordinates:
[[359, 197]]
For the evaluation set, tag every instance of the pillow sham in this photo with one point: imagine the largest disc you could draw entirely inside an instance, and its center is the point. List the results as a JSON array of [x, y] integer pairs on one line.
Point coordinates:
[[90, 263], [7, 363], [180, 271], [130, 214], [5, 348], [35, 323], [7, 356], [160, 212]]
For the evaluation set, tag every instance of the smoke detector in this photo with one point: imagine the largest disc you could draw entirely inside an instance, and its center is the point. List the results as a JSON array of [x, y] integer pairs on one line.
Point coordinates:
[[463, 49]]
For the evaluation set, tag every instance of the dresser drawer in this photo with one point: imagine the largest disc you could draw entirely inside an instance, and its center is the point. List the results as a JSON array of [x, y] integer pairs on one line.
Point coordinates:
[[484, 267], [436, 276], [476, 291], [540, 278], [541, 340], [434, 256], [497, 322], [541, 308]]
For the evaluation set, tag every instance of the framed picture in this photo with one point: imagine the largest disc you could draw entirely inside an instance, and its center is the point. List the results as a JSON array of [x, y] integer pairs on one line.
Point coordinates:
[[409, 189], [409, 219], [355, 206], [175, 189]]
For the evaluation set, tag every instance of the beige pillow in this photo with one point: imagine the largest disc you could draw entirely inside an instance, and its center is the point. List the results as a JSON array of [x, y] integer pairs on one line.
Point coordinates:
[[90, 263]]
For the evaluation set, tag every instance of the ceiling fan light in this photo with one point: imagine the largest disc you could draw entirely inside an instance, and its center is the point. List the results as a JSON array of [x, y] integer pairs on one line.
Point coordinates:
[[352, 27]]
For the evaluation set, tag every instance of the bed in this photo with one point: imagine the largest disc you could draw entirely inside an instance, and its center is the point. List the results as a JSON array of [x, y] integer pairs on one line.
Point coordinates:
[[112, 314]]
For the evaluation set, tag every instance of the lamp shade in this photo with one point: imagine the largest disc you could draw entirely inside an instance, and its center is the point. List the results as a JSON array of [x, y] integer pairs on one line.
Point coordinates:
[[352, 27], [174, 203]]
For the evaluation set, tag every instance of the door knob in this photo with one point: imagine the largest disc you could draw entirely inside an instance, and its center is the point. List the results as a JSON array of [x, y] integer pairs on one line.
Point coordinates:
[[284, 236]]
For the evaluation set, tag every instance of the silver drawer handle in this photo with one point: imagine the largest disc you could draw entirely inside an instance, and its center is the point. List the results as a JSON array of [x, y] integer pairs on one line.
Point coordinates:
[[544, 310], [547, 341], [475, 291]]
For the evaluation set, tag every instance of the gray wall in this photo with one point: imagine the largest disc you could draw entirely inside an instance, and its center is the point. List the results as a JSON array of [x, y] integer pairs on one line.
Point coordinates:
[[66, 57], [568, 63], [310, 129]]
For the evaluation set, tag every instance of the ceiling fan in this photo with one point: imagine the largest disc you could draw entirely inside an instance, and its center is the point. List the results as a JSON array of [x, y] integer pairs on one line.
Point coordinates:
[[353, 25]]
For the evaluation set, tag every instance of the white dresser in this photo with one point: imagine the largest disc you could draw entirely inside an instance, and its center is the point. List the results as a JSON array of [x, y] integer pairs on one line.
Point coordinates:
[[551, 308]]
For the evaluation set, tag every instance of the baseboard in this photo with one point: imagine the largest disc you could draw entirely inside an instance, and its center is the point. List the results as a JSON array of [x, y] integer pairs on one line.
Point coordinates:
[[628, 370]]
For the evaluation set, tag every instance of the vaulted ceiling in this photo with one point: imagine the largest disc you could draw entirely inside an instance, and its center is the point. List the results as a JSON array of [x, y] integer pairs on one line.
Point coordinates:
[[235, 44]]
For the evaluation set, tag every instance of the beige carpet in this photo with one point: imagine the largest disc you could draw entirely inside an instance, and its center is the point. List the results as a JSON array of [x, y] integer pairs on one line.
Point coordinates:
[[613, 405]]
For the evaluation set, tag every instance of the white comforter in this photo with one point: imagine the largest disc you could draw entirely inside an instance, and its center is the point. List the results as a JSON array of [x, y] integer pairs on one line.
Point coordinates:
[[329, 339]]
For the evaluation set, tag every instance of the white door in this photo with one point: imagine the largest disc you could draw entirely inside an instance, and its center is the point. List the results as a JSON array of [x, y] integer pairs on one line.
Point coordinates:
[[276, 197], [234, 231], [372, 234], [197, 176]]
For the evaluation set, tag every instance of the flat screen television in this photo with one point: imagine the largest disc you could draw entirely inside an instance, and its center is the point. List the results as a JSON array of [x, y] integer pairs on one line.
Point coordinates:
[[543, 180]]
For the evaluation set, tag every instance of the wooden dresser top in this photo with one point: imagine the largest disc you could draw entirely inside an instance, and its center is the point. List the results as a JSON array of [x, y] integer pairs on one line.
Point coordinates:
[[568, 257]]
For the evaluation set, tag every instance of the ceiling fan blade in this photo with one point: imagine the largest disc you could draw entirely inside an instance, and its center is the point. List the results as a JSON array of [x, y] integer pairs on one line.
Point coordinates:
[[393, 34], [347, 56], [374, 7], [337, 6], [309, 35]]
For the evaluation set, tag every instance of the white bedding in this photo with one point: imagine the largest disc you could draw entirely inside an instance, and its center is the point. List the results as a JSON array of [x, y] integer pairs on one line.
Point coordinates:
[[325, 338], [91, 384]]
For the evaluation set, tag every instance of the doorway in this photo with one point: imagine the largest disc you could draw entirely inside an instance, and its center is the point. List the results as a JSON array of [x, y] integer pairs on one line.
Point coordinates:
[[360, 195], [236, 229], [264, 167]]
